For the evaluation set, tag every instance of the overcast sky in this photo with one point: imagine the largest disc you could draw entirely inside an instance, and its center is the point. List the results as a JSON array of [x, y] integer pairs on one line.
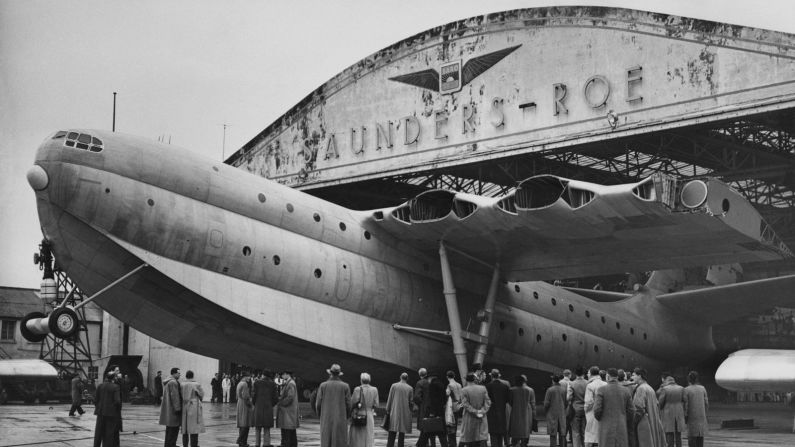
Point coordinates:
[[184, 68]]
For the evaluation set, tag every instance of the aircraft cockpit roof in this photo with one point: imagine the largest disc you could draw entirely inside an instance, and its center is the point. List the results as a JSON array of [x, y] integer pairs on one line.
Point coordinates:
[[79, 140]]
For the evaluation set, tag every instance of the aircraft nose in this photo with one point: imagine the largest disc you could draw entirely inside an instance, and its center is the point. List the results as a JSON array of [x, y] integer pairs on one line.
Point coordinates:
[[38, 178]]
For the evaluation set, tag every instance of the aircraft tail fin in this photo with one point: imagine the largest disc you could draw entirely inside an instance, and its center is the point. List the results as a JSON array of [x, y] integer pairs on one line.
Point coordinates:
[[720, 304]]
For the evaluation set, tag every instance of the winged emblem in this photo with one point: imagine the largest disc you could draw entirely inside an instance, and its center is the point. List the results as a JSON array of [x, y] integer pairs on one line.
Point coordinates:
[[453, 76]]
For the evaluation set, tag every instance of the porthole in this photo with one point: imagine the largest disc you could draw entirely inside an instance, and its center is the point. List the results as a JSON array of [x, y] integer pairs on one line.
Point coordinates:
[[535, 295], [246, 250], [645, 337], [344, 266], [604, 321], [342, 226], [564, 337], [618, 325], [276, 260], [107, 190], [595, 348], [150, 202], [516, 287], [318, 273], [502, 325], [725, 205], [521, 332], [632, 330], [367, 235], [554, 302], [587, 314], [316, 216], [215, 168], [261, 197], [571, 308], [538, 338], [289, 207]]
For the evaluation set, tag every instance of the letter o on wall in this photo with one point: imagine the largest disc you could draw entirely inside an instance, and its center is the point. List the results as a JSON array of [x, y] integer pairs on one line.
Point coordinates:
[[596, 85]]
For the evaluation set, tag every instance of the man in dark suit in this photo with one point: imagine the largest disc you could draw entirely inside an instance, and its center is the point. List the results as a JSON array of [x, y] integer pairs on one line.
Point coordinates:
[[611, 405], [107, 408], [499, 394]]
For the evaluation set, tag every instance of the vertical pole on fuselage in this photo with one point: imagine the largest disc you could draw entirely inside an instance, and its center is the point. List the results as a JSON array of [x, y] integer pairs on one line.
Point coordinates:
[[488, 310], [451, 302]]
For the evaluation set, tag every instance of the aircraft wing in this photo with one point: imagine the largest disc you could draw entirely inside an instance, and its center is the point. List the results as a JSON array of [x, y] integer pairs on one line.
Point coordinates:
[[720, 304], [551, 227]]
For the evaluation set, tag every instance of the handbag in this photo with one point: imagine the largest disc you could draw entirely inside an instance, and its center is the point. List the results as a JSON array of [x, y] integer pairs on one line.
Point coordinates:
[[432, 424], [358, 419]]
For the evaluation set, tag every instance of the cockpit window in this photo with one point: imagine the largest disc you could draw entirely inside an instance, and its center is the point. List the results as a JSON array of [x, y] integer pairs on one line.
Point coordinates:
[[83, 141]]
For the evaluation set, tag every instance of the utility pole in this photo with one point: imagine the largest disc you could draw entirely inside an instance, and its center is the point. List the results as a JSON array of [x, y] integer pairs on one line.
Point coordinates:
[[114, 113]]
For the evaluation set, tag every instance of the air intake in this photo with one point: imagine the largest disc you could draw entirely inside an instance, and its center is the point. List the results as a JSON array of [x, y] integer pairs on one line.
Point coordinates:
[[539, 192]]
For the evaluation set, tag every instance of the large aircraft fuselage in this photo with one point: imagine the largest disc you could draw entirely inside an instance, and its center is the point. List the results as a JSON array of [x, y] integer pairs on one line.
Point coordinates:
[[245, 269]]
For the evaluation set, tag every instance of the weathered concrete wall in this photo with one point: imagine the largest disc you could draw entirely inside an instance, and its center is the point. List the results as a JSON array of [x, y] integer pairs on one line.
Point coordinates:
[[517, 82]]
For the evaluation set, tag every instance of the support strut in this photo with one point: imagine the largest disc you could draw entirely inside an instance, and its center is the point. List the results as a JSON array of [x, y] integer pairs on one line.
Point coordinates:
[[488, 310], [459, 350]]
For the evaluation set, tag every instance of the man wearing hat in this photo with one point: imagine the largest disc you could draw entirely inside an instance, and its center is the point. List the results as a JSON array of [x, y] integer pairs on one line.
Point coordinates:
[[475, 402], [555, 409], [287, 414], [245, 409], [334, 405], [499, 393]]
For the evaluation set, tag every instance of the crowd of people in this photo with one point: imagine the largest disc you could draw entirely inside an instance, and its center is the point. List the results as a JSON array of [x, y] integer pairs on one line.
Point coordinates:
[[595, 408], [592, 408]]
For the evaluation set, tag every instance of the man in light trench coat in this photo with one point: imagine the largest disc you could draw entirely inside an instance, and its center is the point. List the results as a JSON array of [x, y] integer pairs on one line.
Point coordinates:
[[334, 406], [287, 414]]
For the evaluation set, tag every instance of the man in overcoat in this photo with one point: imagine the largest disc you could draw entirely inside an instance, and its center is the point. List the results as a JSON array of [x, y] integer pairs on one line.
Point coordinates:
[[611, 405], [475, 402], [158, 386], [215, 387], [523, 405], [264, 398], [575, 397], [287, 414], [334, 406], [696, 406], [672, 410], [499, 394], [420, 391], [192, 414], [555, 409], [245, 409], [77, 396], [107, 408], [398, 407], [648, 424], [171, 408]]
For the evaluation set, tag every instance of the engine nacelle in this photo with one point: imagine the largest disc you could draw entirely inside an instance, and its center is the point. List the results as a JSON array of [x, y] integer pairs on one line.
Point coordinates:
[[758, 370]]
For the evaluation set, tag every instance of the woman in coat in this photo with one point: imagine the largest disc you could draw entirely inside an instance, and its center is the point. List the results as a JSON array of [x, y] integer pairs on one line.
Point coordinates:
[[264, 398], [192, 416], [363, 400], [696, 406], [523, 404], [287, 413], [476, 403]]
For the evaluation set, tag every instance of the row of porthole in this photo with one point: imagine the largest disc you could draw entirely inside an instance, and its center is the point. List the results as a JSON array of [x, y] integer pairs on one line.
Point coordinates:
[[587, 313], [538, 336], [315, 216]]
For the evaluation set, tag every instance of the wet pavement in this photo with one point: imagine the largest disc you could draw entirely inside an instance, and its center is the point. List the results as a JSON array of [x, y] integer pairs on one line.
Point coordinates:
[[49, 425]]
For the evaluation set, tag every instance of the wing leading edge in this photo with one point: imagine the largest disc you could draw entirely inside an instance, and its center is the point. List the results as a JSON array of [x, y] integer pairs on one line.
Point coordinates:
[[551, 227]]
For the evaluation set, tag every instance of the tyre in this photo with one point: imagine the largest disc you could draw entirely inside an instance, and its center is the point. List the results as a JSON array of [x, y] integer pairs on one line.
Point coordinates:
[[64, 322]]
